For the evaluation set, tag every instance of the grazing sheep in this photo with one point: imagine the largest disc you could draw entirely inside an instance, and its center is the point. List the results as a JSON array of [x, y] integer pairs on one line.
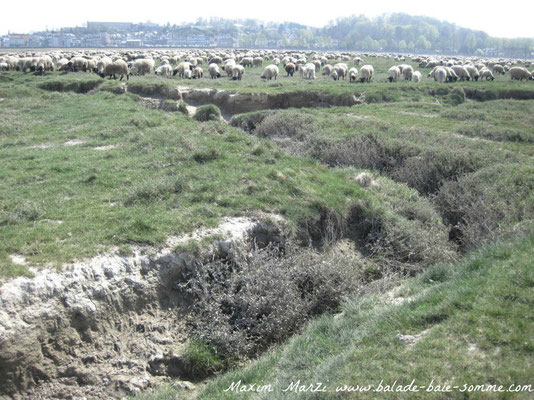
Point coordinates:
[[228, 66], [78, 64], [451, 75], [188, 74], [100, 64], [486, 73], [290, 69], [520, 73], [440, 74], [461, 72], [407, 72], [473, 72], [164, 70], [142, 66], [181, 68], [394, 73], [198, 73], [271, 71], [416, 76], [498, 69], [237, 72], [357, 60], [213, 70], [334, 75], [115, 68], [366, 73], [247, 62], [215, 60], [307, 71], [327, 69], [341, 69], [257, 61], [353, 74], [3, 66]]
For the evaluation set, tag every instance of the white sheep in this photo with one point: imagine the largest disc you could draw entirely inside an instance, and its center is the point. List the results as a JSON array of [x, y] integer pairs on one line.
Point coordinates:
[[181, 68], [366, 73], [115, 68], [271, 71], [164, 70], [198, 72], [461, 72], [353, 74], [237, 72], [142, 66], [341, 69], [188, 74], [394, 73], [520, 73], [486, 73], [416, 76], [213, 70], [327, 69]]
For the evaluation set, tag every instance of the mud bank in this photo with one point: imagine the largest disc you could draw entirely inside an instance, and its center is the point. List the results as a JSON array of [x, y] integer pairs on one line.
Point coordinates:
[[109, 326]]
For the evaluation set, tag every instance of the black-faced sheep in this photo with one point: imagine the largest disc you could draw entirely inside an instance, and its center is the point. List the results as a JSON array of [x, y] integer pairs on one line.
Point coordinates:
[[353, 74], [290, 69], [486, 73], [237, 72], [164, 70], [394, 73], [213, 70]]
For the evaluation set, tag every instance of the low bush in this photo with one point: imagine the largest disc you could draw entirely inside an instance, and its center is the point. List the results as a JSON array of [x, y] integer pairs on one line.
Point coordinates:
[[208, 112], [488, 204], [245, 304]]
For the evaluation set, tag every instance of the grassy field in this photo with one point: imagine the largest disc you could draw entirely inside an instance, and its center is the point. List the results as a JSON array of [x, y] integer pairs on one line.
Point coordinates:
[[463, 324], [81, 173]]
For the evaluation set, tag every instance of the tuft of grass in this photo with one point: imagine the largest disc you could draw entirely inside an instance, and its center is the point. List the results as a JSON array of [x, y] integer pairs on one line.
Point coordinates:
[[208, 112]]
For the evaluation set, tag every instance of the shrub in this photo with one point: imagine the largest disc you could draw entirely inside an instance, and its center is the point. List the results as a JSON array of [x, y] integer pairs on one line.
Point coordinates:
[[253, 300], [208, 112], [488, 204], [201, 360], [182, 107], [287, 125], [456, 96], [25, 211], [203, 157]]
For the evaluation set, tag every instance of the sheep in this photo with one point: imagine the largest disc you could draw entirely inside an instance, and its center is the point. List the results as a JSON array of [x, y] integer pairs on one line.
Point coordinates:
[[271, 71], [181, 68], [334, 75], [451, 75], [213, 70], [215, 60], [462, 72], [247, 61], [257, 61], [114, 68], [24, 63], [341, 69], [142, 66], [357, 60], [198, 73], [520, 73], [440, 74], [498, 69], [366, 73], [290, 69], [353, 74], [11, 63], [394, 73], [188, 74], [473, 72], [486, 73], [78, 64], [228, 66], [164, 70], [237, 72], [416, 77], [3, 66], [407, 72], [307, 71], [327, 69]]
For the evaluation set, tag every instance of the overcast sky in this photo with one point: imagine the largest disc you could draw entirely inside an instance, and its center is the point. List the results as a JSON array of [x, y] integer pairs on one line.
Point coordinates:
[[501, 19]]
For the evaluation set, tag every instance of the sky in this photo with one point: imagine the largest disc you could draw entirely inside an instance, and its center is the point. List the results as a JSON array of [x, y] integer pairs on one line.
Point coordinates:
[[499, 19]]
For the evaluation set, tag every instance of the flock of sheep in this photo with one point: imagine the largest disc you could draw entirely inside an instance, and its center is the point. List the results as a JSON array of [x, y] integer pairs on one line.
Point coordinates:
[[188, 64]]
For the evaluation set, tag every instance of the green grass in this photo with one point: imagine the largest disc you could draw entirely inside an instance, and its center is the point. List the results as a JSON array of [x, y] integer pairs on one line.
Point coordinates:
[[473, 318], [160, 174]]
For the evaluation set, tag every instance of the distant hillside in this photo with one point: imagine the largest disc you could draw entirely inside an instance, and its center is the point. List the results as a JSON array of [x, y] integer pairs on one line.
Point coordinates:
[[401, 33]]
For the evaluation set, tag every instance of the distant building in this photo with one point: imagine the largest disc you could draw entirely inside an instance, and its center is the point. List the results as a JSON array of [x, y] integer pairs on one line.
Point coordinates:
[[120, 26], [18, 40], [133, 43]]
